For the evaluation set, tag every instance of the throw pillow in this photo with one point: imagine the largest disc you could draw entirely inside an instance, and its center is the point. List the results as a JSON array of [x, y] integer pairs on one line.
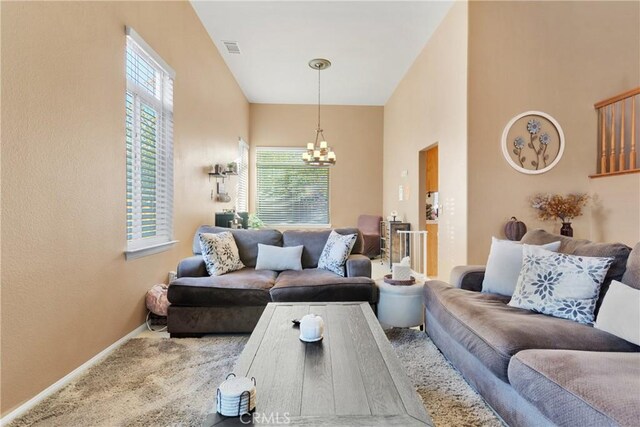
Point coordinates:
[[220, 253], [336, 251], [620, 312], [560, 285], [277, 258], [504, 265]]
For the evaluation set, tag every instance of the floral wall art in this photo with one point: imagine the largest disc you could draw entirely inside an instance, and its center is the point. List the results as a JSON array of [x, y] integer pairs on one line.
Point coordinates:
[[532, 142]]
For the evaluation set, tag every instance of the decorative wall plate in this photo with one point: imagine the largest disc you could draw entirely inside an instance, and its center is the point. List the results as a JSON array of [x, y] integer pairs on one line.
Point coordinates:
[[532, 142]]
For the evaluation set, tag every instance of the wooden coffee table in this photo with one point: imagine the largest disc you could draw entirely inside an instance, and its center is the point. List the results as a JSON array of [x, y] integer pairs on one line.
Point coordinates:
[[350, 378]]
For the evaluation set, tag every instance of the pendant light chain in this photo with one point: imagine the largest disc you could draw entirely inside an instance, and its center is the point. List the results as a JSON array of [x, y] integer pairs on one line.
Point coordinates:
[[318, 98], [319, 153]]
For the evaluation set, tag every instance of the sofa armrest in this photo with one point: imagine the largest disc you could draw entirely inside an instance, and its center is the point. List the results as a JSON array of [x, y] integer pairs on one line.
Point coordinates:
[[467, 277], [358, 266], [192, 267]]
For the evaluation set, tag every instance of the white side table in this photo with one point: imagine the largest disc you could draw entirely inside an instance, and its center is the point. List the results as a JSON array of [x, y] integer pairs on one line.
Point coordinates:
[[400, 306]]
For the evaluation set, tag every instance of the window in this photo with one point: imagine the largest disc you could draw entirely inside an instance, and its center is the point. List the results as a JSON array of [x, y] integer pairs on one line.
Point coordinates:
[[149, 145], [289, 191], [242, 204]]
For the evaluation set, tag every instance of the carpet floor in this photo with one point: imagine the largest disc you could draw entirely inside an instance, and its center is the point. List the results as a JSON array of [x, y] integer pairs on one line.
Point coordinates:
[[172, 382]]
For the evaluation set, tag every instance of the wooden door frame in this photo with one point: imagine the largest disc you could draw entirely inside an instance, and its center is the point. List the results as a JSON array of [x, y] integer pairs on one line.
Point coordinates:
[[422, 186]]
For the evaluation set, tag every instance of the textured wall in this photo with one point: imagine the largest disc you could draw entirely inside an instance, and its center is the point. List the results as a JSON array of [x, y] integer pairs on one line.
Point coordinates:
[[67, 292], [355, 134], [429, 106], [520, 56], [560, 58], [615, 209]]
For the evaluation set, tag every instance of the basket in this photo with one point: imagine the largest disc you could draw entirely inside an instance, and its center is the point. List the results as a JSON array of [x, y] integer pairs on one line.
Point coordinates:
[[388, 279]]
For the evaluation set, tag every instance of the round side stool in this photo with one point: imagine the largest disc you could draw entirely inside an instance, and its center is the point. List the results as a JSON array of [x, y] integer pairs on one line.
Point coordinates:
[[400, 306]]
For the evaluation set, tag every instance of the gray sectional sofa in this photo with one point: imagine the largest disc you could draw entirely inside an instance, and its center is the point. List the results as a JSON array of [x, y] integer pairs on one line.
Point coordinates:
[[534, 369], [233, 302]]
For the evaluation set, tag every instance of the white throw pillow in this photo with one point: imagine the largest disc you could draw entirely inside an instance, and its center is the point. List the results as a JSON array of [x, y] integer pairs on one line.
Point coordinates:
[[620, 312], [220, 253], [504, 265], [560, 285], [277, 258], [336, 251]]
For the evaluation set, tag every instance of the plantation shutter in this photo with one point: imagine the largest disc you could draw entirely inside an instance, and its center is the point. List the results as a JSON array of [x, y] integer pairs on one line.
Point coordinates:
[[243, 177], [149, 146], [288, 190]]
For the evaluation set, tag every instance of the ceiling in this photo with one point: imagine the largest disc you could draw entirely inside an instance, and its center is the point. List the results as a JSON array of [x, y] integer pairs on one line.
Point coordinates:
[[371, 46]]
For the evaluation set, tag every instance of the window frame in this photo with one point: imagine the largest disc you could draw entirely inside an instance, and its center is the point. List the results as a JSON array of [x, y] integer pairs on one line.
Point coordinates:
[[243, 168], [292, 225], [162, 105]]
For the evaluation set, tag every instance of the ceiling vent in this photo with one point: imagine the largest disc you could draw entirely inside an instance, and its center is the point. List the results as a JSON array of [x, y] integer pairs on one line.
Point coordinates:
[[232, 47]]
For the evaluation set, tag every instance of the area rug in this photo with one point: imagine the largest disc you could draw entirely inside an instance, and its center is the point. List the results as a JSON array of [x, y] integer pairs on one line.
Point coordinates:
[[172, 382]]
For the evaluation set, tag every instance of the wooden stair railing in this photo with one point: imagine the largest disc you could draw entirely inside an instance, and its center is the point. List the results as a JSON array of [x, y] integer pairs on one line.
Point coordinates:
[[617, 147]]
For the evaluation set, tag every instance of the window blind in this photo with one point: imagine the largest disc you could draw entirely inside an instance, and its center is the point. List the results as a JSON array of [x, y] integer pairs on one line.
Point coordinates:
[[149, 147], [288, 190], [243, 177]]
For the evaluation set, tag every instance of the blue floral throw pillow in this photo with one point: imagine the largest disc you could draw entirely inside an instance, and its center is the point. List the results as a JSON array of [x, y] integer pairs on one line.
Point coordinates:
[[560, 285], [220, 253], [336, 251]]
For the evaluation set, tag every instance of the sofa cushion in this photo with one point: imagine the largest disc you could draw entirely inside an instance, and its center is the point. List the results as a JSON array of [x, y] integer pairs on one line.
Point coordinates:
[[580, 387], [504, 265], [314, 284], [620, 312], [314, 241], [336, 251], [242, 287], [571, 246], [246, 240], [277, 258], [560, 285], [493, 331], [582, 247], [220, 253], [631, 275]]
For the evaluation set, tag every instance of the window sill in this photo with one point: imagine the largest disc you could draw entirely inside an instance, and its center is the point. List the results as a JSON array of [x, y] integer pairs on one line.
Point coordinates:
[[149, 250]]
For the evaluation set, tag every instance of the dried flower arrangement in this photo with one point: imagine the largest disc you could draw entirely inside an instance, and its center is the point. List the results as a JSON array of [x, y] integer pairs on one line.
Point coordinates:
[[555, 206]]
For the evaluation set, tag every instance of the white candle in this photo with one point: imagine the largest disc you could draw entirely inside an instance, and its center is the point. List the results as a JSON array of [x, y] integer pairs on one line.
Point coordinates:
[[310, 146], [323, 144], [332, 155], [316, 154]]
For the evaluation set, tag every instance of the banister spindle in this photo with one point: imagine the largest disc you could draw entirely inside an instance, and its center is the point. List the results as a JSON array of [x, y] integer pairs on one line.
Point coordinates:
[[603, 154], [612, 156], [632, 153], [617, 141], [622, 163]]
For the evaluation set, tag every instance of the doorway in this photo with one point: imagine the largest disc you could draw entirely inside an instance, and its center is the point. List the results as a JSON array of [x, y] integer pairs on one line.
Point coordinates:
[[429, 204]]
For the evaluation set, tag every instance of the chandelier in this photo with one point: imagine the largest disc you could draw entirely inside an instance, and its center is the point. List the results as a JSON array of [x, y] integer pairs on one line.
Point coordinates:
[[319, 153]]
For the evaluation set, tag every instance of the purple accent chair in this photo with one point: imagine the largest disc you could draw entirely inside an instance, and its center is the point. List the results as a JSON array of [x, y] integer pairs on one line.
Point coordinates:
[[369, 226]]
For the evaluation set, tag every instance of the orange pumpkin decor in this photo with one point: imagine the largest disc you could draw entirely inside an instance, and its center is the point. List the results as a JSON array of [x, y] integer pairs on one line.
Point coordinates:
[[514, 229]]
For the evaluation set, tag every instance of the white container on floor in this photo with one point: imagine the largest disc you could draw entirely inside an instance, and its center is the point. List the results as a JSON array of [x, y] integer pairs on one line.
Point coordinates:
[[400, 306]]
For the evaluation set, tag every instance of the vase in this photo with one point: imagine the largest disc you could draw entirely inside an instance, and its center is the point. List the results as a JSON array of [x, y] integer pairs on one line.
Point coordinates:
[[566, 229]]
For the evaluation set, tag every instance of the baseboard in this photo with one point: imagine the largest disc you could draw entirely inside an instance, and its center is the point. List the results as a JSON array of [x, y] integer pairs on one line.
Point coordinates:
[[20, 410]]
